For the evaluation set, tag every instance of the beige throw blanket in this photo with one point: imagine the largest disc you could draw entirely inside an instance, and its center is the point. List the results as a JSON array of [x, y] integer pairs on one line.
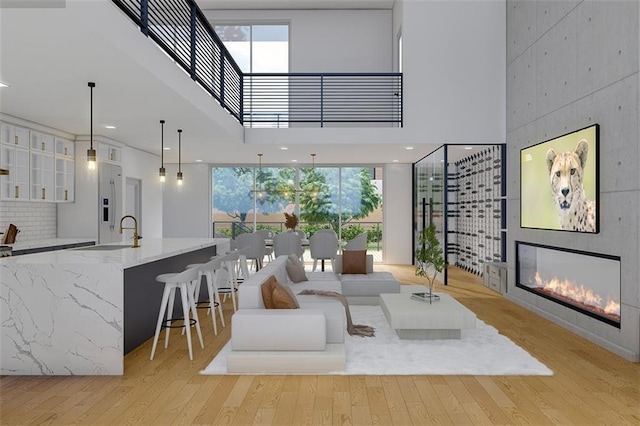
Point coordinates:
[[352, 329]]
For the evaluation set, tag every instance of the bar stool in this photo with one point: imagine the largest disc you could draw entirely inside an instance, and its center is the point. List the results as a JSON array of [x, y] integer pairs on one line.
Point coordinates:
[[227, 278], [208, 270], [173, 281]]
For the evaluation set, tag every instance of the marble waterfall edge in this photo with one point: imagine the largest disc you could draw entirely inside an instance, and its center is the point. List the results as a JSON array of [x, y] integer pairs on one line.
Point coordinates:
[[61, 321]]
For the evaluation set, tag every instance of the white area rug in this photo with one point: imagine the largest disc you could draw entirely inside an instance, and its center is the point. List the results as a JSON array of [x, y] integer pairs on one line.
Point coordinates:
[[482, 351]]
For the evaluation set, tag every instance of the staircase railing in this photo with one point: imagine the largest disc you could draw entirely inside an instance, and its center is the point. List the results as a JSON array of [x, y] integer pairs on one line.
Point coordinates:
[[180, 28]]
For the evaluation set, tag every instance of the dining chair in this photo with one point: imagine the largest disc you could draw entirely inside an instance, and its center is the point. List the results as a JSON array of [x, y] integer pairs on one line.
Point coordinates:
[[323, 246], [287, 243]]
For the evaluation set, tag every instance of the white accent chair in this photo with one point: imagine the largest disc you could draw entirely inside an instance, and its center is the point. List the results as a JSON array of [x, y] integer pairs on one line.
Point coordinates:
[[323, 246]]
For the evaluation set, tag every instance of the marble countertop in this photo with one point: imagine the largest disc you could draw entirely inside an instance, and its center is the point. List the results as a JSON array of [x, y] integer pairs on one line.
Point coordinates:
[[48, 242], [151, 249]]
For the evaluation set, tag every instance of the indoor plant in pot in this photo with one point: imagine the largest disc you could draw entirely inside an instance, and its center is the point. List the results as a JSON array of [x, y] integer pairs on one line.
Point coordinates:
[[429, 256]]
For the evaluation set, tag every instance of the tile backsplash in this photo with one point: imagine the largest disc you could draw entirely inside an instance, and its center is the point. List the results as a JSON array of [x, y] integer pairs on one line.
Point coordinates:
[[34, 220]]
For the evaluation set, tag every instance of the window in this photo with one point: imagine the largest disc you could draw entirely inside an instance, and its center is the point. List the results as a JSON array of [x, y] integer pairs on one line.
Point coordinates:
[[345, 199], [257, 48]]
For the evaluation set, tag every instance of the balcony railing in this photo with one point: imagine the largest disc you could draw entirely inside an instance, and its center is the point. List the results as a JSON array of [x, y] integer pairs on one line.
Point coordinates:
[[264, 100], [278, 100]]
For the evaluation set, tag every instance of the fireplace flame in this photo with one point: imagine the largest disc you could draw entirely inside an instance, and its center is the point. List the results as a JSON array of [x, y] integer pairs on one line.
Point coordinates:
[[578, 293]]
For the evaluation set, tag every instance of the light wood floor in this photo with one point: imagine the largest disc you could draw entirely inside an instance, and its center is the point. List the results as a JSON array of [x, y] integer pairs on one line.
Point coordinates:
[[589, 385]]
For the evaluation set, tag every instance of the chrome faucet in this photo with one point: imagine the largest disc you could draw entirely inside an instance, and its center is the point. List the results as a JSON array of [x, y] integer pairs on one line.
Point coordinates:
[[135, 229]]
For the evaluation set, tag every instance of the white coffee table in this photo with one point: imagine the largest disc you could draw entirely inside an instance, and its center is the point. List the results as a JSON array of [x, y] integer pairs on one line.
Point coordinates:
[[416, 320]]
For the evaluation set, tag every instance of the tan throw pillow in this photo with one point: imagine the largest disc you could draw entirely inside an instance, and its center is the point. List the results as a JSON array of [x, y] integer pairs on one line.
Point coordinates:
[[283, 297], [267, 290], [295, 269], [354, 262]]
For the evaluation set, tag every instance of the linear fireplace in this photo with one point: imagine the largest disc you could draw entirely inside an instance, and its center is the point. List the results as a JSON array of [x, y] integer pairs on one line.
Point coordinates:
[[586, 282]]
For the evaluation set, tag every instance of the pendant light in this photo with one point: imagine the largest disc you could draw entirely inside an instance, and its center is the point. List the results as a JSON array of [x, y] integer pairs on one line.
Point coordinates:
[[179, 157], [91, 153], [162, 171]]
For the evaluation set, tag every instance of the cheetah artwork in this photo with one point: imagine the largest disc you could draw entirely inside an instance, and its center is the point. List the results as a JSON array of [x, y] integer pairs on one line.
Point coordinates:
[[565, 175]]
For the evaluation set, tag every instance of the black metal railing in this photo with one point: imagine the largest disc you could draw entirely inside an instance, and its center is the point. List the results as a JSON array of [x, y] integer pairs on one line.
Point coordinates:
[[180, 28], [279, 99], [263, 100]]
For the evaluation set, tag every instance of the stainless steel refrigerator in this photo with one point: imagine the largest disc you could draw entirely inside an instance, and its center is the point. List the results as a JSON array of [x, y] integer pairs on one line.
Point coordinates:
[[110, 202]]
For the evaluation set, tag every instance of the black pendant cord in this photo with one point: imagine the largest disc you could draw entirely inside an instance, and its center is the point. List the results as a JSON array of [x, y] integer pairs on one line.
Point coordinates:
[[179, 151]]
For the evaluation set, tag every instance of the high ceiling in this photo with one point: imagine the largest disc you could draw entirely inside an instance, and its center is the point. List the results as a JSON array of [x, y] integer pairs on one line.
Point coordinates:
[[295, 4], [49, 55]]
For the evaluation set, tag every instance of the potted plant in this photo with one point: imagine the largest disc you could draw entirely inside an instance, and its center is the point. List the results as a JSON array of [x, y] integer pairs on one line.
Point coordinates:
[[429, 256]]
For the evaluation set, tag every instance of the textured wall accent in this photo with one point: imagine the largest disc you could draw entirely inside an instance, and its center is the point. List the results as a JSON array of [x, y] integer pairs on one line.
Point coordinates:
[[571, 64], [475, 210], [34, 220]]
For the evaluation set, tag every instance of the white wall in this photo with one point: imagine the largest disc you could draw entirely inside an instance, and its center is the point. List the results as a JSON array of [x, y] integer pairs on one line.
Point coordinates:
[[397, 214], [326, 40], [188, 213], [144, 166], [454, 70]]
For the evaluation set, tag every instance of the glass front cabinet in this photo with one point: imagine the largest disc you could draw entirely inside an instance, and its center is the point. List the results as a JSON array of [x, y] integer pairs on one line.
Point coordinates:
[[41, 166]]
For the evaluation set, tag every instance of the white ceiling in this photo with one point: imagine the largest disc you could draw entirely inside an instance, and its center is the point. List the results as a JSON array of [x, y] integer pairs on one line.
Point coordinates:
[[48, 56], [295, 4]]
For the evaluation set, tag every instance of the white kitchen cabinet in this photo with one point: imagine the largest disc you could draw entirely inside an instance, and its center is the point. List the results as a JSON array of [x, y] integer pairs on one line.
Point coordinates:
[[65, 179], [42, 176], [14, 135], [15, 185], [109, 153], [42, 142], [65, 148]]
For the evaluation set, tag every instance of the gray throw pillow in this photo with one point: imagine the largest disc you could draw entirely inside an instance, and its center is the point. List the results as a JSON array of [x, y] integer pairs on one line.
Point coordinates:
[[295, 269]]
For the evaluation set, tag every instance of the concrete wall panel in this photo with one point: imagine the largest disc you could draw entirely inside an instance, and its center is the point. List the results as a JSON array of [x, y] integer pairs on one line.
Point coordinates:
[[602, 60]]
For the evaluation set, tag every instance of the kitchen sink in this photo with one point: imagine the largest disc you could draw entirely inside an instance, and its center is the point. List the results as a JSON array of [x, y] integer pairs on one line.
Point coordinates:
[[104, 248]]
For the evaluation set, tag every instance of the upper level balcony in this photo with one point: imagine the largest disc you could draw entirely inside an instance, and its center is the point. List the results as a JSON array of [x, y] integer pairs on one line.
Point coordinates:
[[266, 100]]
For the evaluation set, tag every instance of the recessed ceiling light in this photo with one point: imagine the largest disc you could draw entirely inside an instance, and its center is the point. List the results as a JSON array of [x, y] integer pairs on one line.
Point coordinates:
[[408, 148], [2, 84], [166, 148], [294, 161], [110, 126], [284, 148], [468, 147], [198, 161], [442, 161], [395, 161]]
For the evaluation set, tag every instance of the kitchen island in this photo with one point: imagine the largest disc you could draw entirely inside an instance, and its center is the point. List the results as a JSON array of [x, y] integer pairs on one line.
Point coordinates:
[[79, 311]]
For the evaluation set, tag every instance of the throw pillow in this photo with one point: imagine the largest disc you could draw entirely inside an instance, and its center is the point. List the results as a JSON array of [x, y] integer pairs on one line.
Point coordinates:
[[283, 297], [354, 262], [267, 290], [295, 269]]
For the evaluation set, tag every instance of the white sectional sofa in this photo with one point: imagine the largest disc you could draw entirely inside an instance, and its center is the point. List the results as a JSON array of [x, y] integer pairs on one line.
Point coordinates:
[[305, 340]]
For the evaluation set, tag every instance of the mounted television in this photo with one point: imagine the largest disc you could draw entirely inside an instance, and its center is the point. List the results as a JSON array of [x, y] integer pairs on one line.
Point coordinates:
[[559, 187]]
